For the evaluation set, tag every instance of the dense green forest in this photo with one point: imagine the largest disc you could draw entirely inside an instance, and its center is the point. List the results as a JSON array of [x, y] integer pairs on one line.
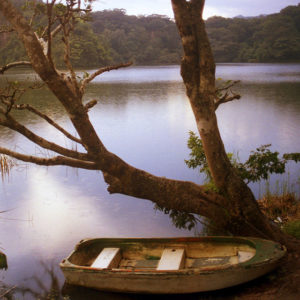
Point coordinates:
[[111, 36]]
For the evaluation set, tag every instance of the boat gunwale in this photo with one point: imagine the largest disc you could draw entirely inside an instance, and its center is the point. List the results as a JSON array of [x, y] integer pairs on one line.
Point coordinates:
[[259, 259]]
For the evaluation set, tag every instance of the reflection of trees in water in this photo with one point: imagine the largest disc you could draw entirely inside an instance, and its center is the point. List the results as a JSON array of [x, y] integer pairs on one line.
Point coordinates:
[[40, 287]]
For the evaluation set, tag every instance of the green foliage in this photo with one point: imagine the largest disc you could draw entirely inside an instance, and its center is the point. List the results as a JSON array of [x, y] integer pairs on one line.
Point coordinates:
[[3, 261], [111, 36], [260, 164], [180, 219], [293, 228], [197, 156], [269, 38], [145, 40], [292, 156]]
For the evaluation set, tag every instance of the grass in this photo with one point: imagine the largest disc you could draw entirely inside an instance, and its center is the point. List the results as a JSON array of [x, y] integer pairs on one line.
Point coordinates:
[[5, 166], [283, 209], [292, 228]]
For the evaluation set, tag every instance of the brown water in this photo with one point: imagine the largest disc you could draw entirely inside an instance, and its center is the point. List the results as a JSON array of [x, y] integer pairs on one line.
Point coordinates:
[[144, 117]]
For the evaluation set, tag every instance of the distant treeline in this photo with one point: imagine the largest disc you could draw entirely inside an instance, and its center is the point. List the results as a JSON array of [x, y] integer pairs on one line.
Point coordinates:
[[111, 36]]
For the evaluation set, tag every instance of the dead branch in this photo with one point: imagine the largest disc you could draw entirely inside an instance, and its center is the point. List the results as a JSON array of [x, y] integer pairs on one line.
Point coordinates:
[[220, 99], [7, 292], [55, 31], [225, 88], [68, 22], [54, 161], [14, 64], [226, 99], [87, 80], [50, 121], [11, 123]]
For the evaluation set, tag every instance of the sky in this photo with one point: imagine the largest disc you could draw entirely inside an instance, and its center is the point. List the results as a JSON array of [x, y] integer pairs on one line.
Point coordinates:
[[225, 8]]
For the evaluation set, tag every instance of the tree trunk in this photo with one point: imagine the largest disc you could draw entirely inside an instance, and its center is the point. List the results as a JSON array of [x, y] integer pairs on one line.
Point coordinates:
[[242, 214]]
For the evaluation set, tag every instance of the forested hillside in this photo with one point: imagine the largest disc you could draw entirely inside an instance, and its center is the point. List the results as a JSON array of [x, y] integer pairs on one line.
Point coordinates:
[[272, 38], [112, 37]]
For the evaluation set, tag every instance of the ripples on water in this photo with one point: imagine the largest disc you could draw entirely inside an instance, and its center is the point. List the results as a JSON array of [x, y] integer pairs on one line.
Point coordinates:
[[143, 116]]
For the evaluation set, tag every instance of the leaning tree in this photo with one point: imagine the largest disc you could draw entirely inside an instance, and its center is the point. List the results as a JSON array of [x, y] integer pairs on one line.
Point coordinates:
[[233, 207]]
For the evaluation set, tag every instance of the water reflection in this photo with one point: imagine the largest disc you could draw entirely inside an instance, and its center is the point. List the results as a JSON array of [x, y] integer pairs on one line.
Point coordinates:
[[143, 116]]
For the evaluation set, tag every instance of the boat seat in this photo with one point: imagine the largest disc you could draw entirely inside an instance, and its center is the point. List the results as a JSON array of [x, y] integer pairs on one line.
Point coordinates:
[[171, 259], [244, 256], [107, 259]]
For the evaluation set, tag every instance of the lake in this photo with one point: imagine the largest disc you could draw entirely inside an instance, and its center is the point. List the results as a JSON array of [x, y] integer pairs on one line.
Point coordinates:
[[144, 117]]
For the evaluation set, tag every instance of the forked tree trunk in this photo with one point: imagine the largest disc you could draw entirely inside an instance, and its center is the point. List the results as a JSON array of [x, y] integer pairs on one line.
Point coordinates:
[[242, 214]]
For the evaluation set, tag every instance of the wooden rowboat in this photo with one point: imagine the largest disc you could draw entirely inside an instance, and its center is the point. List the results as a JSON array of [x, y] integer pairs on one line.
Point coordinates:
[[169, 265]]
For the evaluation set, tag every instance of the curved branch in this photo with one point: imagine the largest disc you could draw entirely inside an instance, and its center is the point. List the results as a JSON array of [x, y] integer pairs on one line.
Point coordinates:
[[14, 64], [54, 161], [87, 80], [50, 121], [11, 123]]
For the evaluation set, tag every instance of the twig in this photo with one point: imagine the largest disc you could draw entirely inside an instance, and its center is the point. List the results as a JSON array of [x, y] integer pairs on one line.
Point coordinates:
[[11, 123], [226, 99], [50, 121], [228, 86], [54, 161], [7, 292], [100, 71]]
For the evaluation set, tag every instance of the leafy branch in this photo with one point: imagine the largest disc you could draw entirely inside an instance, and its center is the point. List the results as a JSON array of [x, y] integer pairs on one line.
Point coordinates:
[[261, 163]]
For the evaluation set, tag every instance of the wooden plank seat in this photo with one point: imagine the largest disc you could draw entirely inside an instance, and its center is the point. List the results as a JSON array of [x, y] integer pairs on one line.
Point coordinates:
[[107, 259], [171, 259]]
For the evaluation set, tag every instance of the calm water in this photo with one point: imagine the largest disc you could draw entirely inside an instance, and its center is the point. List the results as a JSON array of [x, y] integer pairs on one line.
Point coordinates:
[[144, 117]]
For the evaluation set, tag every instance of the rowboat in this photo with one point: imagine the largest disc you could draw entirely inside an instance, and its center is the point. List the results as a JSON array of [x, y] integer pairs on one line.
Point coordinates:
[[169, 265]]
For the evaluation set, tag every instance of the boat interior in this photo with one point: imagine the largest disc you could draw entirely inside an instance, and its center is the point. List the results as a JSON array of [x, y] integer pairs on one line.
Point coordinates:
[[159, 256]]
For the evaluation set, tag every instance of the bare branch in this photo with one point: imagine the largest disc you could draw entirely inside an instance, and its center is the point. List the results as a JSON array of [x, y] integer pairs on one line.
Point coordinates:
[[54, 161], [226, 99], [50, 121], [224, 88], [220, 99], [100, 71], [55, 31], [34, 13], [14, 64], [11, 123]]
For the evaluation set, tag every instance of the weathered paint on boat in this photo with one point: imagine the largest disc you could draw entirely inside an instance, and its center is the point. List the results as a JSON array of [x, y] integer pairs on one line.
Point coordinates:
[[211, 263], [3, 261]]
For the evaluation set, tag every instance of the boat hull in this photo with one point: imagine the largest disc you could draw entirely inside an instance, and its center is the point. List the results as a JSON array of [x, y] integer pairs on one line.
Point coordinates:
[[176, 282]]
